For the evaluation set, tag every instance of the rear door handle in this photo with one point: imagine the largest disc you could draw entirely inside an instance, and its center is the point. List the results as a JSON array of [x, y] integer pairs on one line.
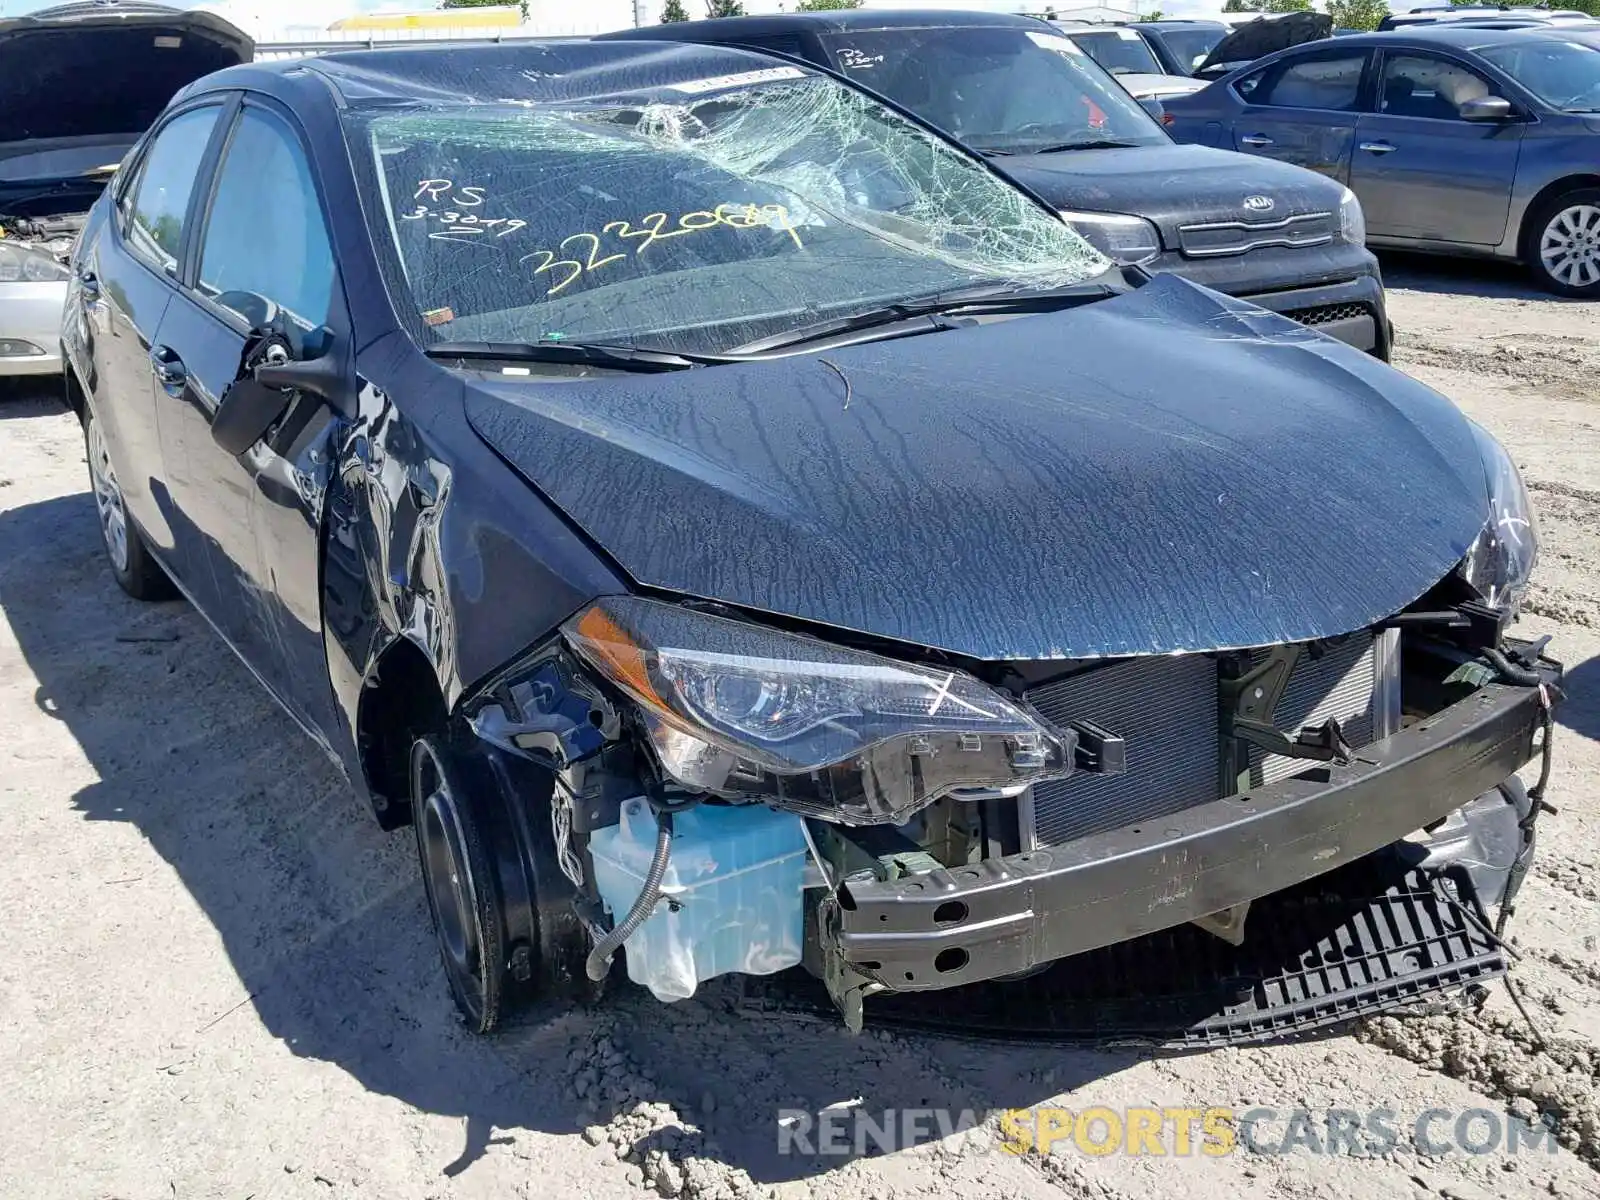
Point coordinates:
[[169, 370], [1377, 147], [1255, 139]]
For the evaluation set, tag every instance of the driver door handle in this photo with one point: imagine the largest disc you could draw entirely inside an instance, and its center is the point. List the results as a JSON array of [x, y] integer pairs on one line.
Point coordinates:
[[169, 370], [1255, 139], [1377, 147]]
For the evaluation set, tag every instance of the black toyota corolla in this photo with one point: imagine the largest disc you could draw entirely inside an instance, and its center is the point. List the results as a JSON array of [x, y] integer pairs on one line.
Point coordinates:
[[737, 528]]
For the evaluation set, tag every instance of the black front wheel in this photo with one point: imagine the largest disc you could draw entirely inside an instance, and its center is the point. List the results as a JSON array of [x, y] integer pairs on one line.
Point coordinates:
[[453, 845], [132, 565]]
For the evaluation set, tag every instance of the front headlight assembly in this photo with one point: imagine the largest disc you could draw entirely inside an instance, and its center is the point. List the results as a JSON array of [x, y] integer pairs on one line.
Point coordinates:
[[1352, 221], [1126, 240], [1500, 561], [738, 710], [19, 264]]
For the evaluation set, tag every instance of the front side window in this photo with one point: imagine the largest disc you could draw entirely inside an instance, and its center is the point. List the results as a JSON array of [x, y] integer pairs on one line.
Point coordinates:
[[1565, 75], [160, 196], [1330, 82], [1423, 85], [695, 216], [265, 238], [1000, 89]]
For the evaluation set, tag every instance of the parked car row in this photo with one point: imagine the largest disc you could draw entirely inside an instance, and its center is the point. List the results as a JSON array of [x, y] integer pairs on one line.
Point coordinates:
[[1047, 115], [1457, 139]]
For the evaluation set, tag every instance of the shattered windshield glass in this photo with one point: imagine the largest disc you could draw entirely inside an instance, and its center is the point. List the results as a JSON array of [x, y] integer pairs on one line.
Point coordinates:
[[997, 88], [693, 217]]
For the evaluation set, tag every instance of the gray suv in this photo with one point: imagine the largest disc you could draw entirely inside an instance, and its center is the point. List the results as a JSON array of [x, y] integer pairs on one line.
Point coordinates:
[[1457, 140]]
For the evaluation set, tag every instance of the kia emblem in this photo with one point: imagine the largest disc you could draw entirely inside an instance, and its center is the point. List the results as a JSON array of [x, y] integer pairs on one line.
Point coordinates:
[[1258, 203]]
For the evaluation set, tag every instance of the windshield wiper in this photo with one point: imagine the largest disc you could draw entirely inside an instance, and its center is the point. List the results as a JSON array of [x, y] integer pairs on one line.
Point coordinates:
[[586, 354], [989, 297], [1099, 144]]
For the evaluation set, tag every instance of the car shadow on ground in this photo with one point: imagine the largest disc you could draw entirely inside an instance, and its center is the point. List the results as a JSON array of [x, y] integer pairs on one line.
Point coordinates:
[[321, 916], [1462, 277], [1580, 711], [29, 397]]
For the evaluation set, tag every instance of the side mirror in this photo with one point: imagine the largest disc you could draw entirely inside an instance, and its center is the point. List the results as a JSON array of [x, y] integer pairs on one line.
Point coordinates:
[[1486, 109], [265, 387], [1153, 106]]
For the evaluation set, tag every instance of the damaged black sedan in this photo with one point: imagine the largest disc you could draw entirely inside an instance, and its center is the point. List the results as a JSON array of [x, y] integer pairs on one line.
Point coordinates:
[[738, 529]]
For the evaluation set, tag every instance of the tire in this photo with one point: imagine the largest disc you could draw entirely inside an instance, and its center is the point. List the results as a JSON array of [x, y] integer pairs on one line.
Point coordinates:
[[458, 877], [1561, 244], [132, 565]]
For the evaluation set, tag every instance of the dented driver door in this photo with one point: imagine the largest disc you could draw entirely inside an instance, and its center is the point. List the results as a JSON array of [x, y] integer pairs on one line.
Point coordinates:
[[264, 264]]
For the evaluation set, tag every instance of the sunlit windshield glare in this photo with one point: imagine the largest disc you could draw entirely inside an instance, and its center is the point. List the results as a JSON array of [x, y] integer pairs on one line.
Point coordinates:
[[1564, 75], [997, 87], [696, 218], [1191, 46], [1120, 51]]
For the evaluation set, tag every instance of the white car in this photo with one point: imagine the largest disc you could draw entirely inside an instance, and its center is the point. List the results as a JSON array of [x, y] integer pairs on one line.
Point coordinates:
[[1128, 57], [78, 85]]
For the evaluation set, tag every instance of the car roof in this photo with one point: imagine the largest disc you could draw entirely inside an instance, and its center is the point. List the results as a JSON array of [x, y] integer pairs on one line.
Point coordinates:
[[526, 70], [1450, 35], [828, 21], [1176, 24]]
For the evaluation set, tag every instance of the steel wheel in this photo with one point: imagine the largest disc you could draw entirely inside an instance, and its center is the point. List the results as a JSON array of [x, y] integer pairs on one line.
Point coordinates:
[[458, 877], [107, 497], [1563, 244]]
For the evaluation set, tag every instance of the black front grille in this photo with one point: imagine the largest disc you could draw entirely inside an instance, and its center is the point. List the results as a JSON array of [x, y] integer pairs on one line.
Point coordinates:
[[1327, 314], [1221, 239]]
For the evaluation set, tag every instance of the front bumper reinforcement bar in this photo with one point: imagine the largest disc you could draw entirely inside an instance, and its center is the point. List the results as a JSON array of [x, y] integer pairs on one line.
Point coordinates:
[[957, 926]]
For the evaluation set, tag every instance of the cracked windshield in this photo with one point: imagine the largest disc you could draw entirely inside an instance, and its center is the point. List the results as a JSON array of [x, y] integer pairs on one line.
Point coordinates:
[[693, 217]]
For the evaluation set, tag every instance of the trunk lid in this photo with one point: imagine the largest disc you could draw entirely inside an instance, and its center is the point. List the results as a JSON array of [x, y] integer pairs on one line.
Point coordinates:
[[1267, 35]]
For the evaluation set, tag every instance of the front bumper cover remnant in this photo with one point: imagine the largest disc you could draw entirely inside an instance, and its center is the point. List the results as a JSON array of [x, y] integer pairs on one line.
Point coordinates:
[[1379, 935], [966, 924]]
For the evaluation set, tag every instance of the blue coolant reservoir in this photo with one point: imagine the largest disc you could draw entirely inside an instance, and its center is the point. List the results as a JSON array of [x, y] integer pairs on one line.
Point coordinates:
[[731, 900]]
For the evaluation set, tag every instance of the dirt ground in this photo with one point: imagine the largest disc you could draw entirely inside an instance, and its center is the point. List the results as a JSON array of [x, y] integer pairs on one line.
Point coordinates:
[[217, 979]]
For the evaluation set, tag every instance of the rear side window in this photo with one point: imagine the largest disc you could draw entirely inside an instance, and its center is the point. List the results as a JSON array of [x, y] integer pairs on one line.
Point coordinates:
[[265, 237], [160, 196], [1328, 82]]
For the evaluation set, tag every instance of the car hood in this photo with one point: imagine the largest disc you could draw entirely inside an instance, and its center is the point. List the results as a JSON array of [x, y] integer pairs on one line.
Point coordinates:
[[1141, 85], [1265, 35], [96, 69], [1167, 470], [1175, 185]]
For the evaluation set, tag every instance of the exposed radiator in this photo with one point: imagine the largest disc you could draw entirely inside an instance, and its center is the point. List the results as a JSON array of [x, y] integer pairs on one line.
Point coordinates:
[[1339, 684], [1166, 710]]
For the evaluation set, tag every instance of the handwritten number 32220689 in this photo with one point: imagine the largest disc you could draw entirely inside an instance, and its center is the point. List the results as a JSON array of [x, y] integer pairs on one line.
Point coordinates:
[[652, 229]]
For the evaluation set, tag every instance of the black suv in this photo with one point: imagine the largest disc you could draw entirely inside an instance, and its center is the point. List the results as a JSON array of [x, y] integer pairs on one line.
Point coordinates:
[[1020, 92]]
